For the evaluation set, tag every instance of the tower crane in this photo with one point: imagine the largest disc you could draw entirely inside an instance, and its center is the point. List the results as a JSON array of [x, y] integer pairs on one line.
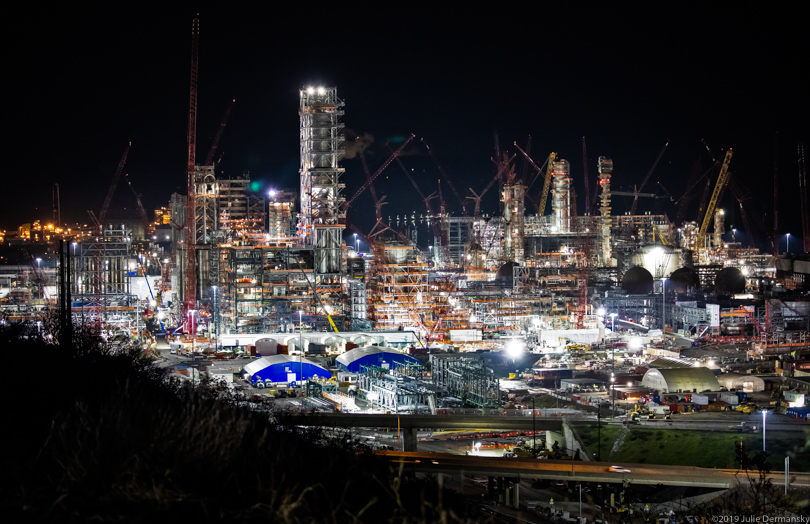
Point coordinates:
[[190, 232], [803, 195], [722, 179]]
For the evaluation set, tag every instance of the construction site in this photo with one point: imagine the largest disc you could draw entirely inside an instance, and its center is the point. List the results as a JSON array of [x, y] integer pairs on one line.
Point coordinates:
[[547, 271]]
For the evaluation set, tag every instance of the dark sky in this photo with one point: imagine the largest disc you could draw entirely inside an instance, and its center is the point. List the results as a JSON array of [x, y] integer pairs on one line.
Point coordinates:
[[83, 82]]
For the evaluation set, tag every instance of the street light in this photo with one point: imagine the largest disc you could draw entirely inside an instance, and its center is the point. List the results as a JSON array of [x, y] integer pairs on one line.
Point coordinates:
[[356, 244], [215, 311], [300, 344], [788, 244], [764, 412], [613, 401], [664, 309]]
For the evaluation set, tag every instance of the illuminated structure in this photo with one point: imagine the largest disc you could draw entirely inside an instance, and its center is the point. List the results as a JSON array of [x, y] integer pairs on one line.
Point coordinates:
[[322, 217]]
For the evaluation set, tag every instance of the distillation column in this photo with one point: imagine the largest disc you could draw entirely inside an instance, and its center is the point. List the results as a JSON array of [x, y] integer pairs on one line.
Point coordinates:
[[514, 213], [719, 227], [323, 217], [605, 167], [561, 197]]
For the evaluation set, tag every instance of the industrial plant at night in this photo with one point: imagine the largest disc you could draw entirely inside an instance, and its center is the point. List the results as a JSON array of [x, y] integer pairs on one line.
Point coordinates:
[[478, 331]]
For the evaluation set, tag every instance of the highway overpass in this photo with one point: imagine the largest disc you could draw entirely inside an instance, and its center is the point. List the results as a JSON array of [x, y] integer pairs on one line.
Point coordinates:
[[578, 471], [410, 424]]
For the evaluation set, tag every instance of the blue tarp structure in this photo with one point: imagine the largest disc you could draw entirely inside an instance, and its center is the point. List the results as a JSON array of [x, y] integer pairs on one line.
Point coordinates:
[[372, 356], [284, 368]]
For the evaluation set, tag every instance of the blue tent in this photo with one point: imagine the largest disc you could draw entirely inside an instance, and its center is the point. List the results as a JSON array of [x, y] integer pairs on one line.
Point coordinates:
[[284, 368], [372, 356]]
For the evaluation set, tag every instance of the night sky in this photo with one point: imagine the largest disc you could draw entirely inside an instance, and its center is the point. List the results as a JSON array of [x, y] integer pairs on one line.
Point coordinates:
[[83, 82]]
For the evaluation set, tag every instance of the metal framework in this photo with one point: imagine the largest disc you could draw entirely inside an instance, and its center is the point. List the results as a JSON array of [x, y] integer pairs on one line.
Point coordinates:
[[323, 215], [466, 378]]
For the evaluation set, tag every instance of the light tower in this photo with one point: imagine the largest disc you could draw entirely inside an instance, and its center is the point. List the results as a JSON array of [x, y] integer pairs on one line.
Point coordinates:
[[323, 216]]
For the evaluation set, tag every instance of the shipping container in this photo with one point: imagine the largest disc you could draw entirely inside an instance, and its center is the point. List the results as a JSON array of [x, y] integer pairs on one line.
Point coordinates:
[[700, 400]]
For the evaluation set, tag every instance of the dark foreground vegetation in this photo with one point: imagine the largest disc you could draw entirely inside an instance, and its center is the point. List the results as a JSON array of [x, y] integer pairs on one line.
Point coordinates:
[[96, 436]]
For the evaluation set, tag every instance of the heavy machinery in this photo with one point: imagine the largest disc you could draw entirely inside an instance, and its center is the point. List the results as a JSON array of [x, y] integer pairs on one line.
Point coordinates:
[[722, 179]]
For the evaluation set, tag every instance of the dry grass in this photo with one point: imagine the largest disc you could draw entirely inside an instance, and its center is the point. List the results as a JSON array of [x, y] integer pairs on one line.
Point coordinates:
[[97, 436]]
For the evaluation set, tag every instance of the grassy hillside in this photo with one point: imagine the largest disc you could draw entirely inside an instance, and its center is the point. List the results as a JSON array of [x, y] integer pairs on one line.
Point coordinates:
[[95, 436], [694, 448]]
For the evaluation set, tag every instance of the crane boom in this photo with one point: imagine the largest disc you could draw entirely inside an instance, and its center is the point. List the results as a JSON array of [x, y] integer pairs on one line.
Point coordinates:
[[647, 178], [380, 170], [209, 159], [547, 184], [117, 176], [722, 178]]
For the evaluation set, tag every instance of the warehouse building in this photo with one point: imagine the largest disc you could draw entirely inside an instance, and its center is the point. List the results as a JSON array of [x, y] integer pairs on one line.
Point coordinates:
[[681, 380], [284, 368], [739, 382]]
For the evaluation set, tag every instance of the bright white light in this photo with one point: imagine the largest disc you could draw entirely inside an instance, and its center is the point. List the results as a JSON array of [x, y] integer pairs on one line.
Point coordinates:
[[634, 343], [514, 348], [321, 90], [601, 312], [310, 90]]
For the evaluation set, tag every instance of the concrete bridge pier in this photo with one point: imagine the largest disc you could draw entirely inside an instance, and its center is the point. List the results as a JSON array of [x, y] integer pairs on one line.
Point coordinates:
[[409, 439]]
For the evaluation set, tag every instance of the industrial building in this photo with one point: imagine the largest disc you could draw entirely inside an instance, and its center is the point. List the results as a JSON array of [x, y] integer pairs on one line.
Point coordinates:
[[680, 380], [235, 264]]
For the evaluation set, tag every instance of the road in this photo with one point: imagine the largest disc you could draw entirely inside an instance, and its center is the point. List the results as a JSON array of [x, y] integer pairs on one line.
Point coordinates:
[[579, 471]]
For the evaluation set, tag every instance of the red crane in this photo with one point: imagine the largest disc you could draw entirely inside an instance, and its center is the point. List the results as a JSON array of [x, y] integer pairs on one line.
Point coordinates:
[[190, 280], [803, 196]]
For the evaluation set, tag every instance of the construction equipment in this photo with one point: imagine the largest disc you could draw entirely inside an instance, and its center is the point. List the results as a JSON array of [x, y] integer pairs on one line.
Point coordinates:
[[647, 178], [209, 159], [190, 232], [803, 195], [380, 170], [722, 179], [541, 208]]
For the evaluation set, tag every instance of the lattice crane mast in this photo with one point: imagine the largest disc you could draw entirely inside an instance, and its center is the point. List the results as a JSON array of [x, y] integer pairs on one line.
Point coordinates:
[[102, 215], [190, 232], [380, 170], [541, 209], [803, 195], [722, 179]]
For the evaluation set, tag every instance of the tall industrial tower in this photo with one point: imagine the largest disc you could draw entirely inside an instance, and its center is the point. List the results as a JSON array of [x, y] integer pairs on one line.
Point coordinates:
[[561, 197], [605, 167], [323, 216]]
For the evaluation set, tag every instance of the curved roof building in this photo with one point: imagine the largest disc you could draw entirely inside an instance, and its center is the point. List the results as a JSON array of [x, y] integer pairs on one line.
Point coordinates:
[[372, 356], [284, 368], [748, 383], [674, 380]]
